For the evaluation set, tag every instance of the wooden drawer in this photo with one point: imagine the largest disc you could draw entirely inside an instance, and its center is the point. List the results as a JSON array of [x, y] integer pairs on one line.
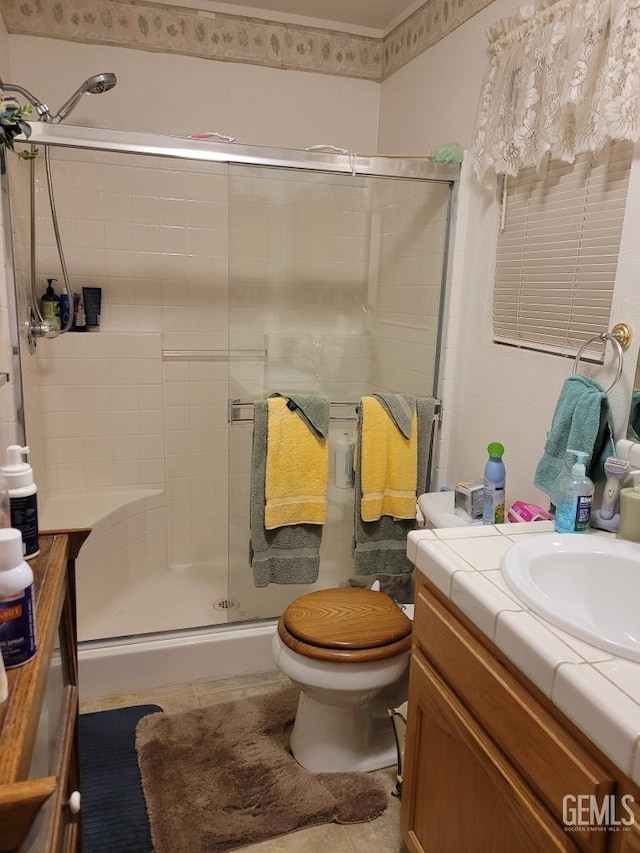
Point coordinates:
[[551, 761]]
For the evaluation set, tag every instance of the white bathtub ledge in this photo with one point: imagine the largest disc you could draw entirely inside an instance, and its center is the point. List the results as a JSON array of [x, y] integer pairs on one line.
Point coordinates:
[[84, 509]]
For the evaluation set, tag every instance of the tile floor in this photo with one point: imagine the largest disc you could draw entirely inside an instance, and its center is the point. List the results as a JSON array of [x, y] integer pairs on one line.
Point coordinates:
[[380, 836]]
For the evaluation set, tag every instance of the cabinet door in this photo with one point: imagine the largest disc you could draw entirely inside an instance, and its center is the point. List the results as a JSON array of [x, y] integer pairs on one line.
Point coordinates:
[[460, 793]]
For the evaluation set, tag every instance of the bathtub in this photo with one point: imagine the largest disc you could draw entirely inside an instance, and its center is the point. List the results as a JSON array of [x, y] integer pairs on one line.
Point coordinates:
[[133, 606]]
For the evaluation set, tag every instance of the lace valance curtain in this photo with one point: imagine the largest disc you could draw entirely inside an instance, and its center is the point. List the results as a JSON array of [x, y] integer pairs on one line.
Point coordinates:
[[563, 79]]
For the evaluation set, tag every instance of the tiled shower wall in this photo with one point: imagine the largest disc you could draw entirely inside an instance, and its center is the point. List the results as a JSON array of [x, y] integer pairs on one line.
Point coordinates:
[[220, 282]]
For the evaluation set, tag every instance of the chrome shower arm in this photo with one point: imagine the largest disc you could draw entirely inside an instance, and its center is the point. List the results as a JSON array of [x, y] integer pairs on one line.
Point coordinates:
[[41, 108]]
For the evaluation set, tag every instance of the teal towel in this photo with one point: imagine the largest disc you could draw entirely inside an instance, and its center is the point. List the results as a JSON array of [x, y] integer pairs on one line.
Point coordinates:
[[287, 554], [380, 547], [633, 430], [582, 421]]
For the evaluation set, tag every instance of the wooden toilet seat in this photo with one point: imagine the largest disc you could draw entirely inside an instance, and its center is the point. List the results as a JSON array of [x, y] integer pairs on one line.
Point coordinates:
[[347, 625]]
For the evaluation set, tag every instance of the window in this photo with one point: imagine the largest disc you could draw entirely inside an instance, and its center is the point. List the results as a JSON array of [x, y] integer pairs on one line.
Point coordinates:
[[557, 254]]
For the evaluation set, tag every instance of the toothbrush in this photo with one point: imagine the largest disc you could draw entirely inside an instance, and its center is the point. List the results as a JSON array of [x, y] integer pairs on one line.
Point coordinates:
[[616, 470]]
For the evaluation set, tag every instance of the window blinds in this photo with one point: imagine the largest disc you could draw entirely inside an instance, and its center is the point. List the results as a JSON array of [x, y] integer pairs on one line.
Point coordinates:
[[558, 252]]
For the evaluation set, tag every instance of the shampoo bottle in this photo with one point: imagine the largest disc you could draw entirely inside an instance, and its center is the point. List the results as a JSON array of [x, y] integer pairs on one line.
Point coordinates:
[[574, 497], [630, 513], [23, 498], [50, 303], [494, 483], [17, 611]]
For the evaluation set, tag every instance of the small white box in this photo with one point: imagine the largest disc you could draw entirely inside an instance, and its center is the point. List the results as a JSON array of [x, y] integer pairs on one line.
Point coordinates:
[[469, 495]]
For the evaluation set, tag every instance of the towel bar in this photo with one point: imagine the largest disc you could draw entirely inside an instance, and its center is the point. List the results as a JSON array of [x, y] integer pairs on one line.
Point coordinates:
[[620, 338], [234, 414]]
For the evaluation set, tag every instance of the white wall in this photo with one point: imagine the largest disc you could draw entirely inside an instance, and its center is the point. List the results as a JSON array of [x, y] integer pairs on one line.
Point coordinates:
[[162, 93], [490, 392]]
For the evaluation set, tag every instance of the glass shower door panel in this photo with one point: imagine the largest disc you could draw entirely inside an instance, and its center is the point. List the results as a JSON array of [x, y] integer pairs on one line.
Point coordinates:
[[297, 273], [335, 285], [134, 416]]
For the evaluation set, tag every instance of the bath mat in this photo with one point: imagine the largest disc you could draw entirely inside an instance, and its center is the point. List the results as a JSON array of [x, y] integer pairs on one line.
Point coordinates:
[[221, 777], [114, 815]]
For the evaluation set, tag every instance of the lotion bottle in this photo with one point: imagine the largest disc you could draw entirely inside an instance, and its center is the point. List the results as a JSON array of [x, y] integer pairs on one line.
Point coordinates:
[[17, 606], [630, 512], [23, 498], [574, 497], [344, 475]]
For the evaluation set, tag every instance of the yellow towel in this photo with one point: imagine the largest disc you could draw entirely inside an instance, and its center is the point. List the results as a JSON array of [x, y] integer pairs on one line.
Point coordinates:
[[388, 465], [297, 470]]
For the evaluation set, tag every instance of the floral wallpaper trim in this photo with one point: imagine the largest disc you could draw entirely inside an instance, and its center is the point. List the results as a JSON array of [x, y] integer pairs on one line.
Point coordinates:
[[430, 23], [235, 38]]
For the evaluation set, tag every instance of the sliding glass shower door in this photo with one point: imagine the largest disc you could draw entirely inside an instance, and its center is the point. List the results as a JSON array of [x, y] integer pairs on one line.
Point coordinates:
[[335, 288]]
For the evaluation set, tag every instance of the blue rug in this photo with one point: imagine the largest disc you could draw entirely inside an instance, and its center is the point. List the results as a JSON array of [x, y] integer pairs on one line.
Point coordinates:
[[114, 813]]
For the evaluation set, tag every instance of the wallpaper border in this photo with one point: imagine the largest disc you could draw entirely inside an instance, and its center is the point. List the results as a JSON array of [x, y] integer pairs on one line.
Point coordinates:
[[164, 28]]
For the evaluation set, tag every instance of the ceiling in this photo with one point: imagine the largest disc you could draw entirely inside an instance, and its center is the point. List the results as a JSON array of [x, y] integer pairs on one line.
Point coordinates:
[[366, 14]]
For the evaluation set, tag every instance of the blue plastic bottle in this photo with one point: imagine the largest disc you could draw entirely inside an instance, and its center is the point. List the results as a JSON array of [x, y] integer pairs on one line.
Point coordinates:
[[494, 480]]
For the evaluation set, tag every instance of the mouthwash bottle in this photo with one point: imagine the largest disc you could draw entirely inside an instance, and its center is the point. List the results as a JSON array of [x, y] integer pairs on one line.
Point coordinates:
[[494, 482], [574, 497]]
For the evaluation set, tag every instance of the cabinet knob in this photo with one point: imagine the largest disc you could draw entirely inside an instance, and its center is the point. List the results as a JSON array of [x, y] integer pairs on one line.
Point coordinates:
[[74, 802]]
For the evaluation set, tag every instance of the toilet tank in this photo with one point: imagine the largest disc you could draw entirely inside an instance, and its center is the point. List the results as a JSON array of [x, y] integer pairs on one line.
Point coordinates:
[[437, 508]]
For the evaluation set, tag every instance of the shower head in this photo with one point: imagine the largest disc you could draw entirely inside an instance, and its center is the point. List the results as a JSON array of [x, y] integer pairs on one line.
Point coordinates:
[[41, 108], [93, 86]]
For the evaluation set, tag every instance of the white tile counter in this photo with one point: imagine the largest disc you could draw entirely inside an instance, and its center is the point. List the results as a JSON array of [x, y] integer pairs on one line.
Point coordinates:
[[599, 692]]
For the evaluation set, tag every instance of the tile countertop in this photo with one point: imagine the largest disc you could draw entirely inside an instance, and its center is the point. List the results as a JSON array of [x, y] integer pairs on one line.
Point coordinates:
[[599, 692]]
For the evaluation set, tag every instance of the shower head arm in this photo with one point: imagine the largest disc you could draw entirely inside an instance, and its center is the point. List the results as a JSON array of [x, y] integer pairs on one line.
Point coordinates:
[[41, 108]]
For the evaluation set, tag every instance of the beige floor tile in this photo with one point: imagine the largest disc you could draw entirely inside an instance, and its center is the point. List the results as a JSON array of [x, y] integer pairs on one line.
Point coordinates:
[[326, 838], [87, 706], [244, 685], [180, 694], [383, 833]]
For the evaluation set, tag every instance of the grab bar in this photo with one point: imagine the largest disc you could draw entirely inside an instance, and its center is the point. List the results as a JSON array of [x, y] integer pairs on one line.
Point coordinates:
[[620, 338]]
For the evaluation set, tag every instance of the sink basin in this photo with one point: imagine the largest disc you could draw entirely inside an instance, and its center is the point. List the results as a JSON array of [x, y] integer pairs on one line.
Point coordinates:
[[589, 585]]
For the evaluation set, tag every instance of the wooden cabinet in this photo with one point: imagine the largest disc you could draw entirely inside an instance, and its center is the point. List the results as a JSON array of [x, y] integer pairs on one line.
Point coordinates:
[[38, 722], [488, 760]]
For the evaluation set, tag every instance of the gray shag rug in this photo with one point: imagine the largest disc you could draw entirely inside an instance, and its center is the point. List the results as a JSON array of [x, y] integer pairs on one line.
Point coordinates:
[[222, 777]]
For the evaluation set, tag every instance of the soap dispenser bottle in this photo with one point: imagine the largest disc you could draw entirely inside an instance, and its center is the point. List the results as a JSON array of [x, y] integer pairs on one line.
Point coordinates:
[[574, 497], [50, 303], [23, 498], [630, 512]]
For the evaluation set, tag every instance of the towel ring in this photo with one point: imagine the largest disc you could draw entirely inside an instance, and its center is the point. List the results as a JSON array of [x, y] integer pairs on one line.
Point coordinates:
[[604, 336]]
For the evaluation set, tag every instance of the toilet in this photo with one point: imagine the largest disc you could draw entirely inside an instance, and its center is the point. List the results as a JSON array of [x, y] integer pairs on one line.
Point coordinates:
[[347, 650]]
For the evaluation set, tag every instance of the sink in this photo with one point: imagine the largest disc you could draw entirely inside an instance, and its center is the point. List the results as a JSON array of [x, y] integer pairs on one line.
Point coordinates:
[[586, 584]]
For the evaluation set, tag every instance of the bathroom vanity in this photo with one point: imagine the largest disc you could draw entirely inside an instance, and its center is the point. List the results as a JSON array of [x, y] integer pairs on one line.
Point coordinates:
[[39, 772], [520, 737]]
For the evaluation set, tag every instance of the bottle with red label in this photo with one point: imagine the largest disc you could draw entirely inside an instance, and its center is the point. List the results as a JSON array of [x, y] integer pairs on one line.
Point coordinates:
[[17, 605]]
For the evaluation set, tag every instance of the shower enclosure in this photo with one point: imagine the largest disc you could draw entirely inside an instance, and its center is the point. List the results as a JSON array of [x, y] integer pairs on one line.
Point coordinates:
[[227, 273]]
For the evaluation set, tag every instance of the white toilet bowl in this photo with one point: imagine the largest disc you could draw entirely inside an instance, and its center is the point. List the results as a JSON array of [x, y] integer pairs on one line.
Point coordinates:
[[348, 652]]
